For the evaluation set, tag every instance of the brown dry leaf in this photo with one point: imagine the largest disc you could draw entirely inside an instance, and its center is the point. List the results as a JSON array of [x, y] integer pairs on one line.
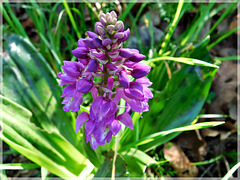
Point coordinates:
[[192, 140], [224, 85], [234, 24], [209, 132], [173, 153]]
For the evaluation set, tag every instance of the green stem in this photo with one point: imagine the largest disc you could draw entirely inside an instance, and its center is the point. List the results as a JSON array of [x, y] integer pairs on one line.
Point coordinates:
[[222, 38], [172, 28], [115, 156]]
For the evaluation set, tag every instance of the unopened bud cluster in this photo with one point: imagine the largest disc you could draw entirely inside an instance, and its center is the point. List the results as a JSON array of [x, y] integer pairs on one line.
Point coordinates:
[[101, 56]]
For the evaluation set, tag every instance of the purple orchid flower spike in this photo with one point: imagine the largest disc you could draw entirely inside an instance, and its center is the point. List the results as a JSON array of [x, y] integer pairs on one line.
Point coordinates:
[[101, 55]]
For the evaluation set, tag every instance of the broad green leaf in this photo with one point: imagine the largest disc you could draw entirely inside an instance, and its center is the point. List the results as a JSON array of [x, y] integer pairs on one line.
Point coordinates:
[[106, 169], [31, 82], [50, 150], [137, 161], [160, 137]]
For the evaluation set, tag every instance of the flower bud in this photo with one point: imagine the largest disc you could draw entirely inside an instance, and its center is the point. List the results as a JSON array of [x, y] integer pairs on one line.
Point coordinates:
[[118, 35], [119, 26], [140, 70], [110, 28], [107, 41], [103, 21], [113, 14], [101, 31], [114, 20], [102, 15]]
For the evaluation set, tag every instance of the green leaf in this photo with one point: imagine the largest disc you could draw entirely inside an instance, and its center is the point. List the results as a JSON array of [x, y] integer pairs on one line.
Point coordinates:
[[137, 161], [50, 150]]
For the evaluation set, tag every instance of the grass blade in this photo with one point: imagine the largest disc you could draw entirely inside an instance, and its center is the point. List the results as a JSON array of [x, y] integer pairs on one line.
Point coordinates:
[[71, 19], [189, 61], [18, 166]]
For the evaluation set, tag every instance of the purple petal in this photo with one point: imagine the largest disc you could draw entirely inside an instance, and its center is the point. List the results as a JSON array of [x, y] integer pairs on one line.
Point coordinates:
[[89, 126], [126, 119], [147, 93], [84, 85], [92, 34], [97, 42], [137, 57], [99, 55], [77, 101], [144, 81], [140, 70], [123, 79], [82, 117], [94, 92], [80, 52], [92, 65], [111, 67], [109, 136], [105, 107], [81, 43], [68, 91], [115, 127], [93, 143], [96, 104], [136, 105], [110, 83], [126, 53], [89, 42]]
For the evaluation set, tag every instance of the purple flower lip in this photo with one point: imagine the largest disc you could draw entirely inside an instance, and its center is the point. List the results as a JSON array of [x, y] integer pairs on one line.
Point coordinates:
[[135, 91], [84, 85]]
